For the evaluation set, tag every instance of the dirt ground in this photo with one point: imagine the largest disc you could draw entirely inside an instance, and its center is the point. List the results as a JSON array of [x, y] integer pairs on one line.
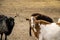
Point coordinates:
[[24, 10]]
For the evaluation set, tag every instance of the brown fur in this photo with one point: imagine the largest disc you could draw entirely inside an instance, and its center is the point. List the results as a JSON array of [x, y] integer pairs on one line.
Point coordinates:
[[37, 27], [42, 22], [37, 22], [58, 24]]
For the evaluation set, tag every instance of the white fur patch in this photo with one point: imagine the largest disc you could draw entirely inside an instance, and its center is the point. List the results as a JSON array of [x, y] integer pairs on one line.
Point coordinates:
[[35, 30], [50, 32], [32, 21], [32, 24]]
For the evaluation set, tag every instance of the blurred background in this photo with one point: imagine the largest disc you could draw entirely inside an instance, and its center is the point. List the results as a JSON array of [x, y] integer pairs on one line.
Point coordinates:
[[24, 9]]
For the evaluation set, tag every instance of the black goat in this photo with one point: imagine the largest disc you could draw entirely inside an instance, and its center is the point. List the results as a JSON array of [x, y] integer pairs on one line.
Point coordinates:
[[38, 16], [6, 25], [10, 24]]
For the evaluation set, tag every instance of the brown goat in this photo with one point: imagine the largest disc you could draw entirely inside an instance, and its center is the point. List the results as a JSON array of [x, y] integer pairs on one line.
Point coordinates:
[[35, 19]]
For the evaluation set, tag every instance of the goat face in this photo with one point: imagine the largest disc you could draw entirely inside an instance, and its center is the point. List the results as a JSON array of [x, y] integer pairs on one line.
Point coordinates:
[[10, 21], [10, 24]]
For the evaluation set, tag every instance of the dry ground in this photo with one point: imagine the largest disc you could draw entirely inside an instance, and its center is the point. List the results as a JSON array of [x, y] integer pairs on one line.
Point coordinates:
[[24, 9]]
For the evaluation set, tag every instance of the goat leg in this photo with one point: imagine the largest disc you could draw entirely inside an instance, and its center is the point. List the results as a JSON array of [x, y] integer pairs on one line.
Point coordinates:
[[5, 37], [30, 31], [1, 35]]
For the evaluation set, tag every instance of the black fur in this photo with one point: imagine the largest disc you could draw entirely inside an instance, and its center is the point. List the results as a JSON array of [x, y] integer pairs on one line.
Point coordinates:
[[2, 17], [9, 24], [42, 17], [35, 14]]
